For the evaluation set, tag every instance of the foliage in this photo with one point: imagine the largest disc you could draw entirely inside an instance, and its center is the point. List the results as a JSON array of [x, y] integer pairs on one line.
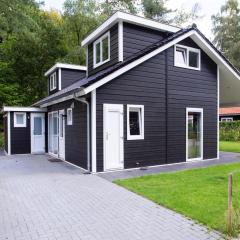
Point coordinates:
[[200, 194], [226, 30], [230, 131], [1, 140]]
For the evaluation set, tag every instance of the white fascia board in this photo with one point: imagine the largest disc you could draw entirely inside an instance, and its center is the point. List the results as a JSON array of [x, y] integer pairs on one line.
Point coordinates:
[[65, 65], [57, 101], [23, 109], [126, 17], [132, 64], [193, 34]]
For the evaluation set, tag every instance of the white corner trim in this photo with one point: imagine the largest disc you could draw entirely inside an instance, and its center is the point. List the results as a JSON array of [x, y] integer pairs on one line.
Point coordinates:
[[188, 49], [93, 131], [65, 65], [126, 17], [9, 132], [133, 64], [23, 109], [59, 79], [198, 110], [141, 123], [100, 40], [120, 41], [218, 106]]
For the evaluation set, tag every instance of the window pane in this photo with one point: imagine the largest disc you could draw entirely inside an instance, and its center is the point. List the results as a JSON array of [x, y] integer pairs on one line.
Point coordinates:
[[69, 116], [181, 56], [193, 59], [19, 119], [98, 59], [194, 135], [134, 122], [55, 125], [105, 49], [37, 126]]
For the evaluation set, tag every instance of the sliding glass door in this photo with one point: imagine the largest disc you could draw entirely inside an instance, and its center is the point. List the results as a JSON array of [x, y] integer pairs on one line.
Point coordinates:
[[53, 133], [194, 136]]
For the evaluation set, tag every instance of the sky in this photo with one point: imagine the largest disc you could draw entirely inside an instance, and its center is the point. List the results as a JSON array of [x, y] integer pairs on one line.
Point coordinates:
[[208, 8]]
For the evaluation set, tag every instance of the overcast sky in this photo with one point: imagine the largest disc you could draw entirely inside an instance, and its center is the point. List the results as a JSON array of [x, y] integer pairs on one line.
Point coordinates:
[[208, 8]]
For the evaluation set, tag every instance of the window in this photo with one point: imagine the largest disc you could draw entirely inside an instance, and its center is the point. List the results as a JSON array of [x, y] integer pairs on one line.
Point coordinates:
[[69, 116], [187, 57], [135, 122], [53, 81], [19, 119], [226, 119], [101, 50]]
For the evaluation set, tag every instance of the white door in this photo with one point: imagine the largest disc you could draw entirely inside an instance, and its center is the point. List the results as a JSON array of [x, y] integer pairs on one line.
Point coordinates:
[[61, 134], [37, 132], [113, 136]]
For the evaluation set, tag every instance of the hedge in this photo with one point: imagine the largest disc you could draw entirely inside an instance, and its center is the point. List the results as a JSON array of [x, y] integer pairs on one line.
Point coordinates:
[[230, 131]]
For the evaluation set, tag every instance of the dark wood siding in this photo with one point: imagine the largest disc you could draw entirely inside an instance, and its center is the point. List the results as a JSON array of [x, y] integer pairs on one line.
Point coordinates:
[[57, 76], [165, 91], [136, 38], [20, 136], [113, 52], [69, 76], [76, 134], [5, 128]]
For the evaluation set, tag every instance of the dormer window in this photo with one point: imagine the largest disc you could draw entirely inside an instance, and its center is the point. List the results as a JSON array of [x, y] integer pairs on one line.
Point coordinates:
[[53, 81], [187, 57], [101, 50]]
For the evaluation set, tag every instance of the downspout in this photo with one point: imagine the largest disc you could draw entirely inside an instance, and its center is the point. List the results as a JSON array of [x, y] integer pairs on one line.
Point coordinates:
[[83, 100]]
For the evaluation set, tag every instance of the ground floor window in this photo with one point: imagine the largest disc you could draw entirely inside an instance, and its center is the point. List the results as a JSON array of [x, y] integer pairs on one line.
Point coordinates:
[[19, 119], [53, 133], [135, 122], [226, 119], [194, 132]]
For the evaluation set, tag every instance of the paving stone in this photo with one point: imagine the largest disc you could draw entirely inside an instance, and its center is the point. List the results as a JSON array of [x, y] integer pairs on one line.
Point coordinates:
[[41, 200]]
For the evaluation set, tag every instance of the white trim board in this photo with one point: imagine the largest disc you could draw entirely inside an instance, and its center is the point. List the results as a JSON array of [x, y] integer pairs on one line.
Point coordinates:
[[93, 131], [193, 34], [126, 17], [9, 132], [23, 109], [65, 65]]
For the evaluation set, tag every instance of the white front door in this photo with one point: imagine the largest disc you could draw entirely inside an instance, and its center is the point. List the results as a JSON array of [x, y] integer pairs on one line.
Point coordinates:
[[113, 136], [37, 132], [61, 131]]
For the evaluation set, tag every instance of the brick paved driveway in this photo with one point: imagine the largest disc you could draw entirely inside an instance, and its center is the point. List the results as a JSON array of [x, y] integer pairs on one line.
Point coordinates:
[[44, 200]]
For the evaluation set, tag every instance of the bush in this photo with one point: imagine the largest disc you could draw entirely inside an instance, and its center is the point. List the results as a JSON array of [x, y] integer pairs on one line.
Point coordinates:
[[1, 139], [230, 131]]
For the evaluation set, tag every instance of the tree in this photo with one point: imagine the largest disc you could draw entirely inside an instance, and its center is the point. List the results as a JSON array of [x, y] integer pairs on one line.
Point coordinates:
[[226, 29]]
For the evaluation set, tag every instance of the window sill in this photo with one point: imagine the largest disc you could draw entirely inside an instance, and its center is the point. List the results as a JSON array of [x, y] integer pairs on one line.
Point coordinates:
[[186, 67], [101, 63], [135, 137]]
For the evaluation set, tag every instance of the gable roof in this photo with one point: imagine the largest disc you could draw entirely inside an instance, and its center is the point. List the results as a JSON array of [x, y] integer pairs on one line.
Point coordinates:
[[67, 66], [229, 111], [88, 84], [129, 18]]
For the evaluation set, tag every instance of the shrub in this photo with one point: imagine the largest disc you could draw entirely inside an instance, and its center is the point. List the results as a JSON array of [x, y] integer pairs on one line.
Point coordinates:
[[230, 131]]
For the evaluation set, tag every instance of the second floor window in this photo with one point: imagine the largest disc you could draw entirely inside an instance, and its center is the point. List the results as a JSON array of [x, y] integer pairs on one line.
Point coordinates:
[[53, 81], [101, 50], [187, 57]]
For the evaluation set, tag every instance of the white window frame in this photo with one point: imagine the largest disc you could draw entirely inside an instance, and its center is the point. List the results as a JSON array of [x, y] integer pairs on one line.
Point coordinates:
[[188, 49], [69, 121], [24, 119], [194, 110], [227, 119], [141, 122], [95, 64], [53, 81]]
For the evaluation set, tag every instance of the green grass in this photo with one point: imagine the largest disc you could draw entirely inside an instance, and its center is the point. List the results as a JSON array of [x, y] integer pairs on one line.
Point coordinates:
[[230, 146], [200, 194]]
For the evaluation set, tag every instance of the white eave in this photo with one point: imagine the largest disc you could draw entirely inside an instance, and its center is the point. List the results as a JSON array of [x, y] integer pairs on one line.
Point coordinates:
[[23, 109], [67, 66], [129, 18]]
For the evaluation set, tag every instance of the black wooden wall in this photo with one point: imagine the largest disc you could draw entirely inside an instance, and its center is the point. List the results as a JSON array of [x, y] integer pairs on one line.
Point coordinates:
[[165, 91], [20, 136], [69, 76]]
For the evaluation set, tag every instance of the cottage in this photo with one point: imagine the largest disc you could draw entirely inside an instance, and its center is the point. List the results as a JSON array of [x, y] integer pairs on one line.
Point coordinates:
[[149, 95], [229, 114]]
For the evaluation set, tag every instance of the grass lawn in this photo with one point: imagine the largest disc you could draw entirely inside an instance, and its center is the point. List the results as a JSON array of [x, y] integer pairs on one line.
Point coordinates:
[[230, 146], [200, 194]]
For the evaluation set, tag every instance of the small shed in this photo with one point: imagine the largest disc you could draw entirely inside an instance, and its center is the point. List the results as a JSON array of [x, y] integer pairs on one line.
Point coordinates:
[[24, 130]]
